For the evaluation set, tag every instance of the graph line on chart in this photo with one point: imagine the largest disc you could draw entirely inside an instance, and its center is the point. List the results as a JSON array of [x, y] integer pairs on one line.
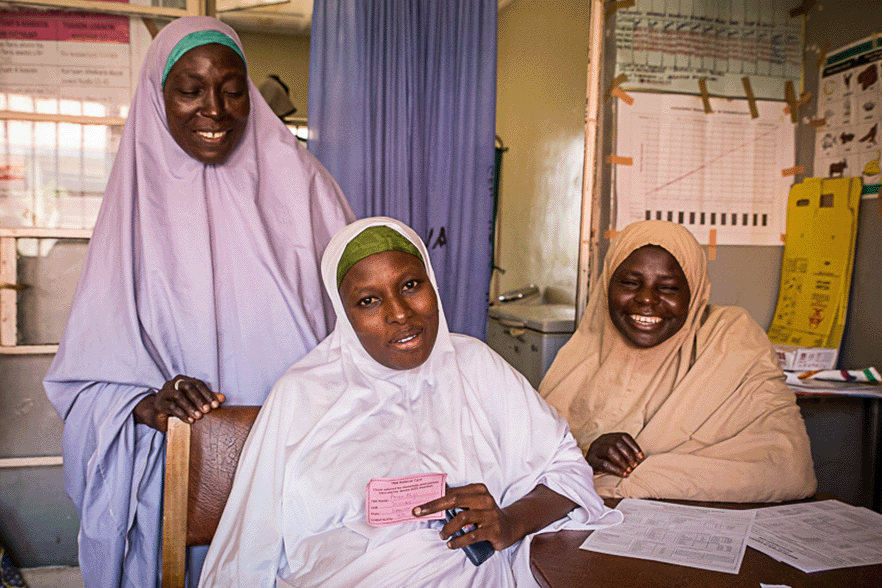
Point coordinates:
[[710, 162], [720, 171]]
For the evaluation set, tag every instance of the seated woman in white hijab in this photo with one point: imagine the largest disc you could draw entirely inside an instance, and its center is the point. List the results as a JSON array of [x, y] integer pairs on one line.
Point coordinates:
[[392, 393]]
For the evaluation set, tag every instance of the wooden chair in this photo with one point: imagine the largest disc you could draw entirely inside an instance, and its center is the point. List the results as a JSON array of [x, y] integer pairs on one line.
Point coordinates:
[[200, 463]]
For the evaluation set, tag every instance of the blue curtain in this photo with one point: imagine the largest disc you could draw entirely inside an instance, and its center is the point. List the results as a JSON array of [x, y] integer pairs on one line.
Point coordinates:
[[402, 108]]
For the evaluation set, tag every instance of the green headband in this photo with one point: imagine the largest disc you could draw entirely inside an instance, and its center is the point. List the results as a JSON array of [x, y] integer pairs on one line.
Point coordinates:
[[370, 241], [198, 39]]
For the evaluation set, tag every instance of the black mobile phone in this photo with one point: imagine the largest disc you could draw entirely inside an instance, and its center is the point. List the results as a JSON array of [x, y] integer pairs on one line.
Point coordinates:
[[478, 552]]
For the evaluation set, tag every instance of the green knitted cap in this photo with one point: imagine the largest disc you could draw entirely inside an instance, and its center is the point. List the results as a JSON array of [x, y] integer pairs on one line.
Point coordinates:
[[370, 241]]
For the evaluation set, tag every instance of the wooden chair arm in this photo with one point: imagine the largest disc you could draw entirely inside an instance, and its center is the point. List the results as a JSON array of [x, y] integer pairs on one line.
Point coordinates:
[[174, 505]]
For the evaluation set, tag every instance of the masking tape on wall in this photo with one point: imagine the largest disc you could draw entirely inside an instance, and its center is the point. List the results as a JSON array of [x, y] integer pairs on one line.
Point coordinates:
[[620, 94], [751, 99], [619, 160], [802, 100], [618, 5], [705, 97], [618, 81], [712, 245]]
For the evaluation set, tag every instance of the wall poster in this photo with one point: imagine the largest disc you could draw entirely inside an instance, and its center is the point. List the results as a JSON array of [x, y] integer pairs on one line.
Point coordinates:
[[53, 174], [849, 94], [667, 45], [719, 171]]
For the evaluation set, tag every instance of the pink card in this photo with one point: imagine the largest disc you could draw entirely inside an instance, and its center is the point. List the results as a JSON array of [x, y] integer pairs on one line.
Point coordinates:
[[389, 501]]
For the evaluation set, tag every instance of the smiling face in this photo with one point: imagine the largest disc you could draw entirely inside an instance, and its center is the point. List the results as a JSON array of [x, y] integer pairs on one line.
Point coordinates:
[[648, 297], [392, 307], [207, 103]]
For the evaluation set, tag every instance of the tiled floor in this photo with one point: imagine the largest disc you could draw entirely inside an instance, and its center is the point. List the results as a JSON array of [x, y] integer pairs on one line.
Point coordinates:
[[53, 577]]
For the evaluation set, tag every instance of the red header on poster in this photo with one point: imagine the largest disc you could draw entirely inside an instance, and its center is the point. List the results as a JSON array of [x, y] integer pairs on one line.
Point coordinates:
[[64, 26]]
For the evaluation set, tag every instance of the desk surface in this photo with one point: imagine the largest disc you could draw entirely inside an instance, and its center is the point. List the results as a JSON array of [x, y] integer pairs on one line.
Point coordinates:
[[557, 562]]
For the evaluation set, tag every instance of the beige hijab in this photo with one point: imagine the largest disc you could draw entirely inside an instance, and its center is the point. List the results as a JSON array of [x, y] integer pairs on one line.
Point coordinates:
[[598, 359], [708, 407]]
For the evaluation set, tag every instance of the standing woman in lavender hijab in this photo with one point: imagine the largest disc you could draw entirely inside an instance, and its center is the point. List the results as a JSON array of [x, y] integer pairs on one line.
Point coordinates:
[[201, 286]]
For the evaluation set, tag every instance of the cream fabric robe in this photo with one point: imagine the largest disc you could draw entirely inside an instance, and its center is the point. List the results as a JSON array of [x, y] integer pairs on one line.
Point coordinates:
[[708, 407], [296, 514]]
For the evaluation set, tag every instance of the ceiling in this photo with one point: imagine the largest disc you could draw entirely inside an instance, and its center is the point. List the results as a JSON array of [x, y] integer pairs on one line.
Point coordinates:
[[291, 17]]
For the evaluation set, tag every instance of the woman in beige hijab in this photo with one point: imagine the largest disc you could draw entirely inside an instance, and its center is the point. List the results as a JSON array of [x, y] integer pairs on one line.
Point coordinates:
[[669, 396]]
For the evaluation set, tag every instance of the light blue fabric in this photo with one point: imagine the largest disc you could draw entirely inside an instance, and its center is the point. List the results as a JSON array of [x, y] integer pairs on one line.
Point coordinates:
[[402, 108]]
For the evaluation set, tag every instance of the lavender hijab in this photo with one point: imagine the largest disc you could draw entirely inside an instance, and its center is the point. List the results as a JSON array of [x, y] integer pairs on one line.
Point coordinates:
[[211, 271]]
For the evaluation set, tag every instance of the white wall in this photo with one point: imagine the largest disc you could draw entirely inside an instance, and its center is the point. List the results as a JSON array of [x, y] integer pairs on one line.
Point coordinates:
[[284, 55], [542, 79]]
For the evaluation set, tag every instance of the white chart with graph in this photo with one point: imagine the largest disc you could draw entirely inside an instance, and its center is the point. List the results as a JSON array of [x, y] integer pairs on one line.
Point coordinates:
[[720, 171]]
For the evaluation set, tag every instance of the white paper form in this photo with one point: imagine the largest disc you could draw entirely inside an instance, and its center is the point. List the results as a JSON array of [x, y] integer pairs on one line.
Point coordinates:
[[670, 44], [719, 171], [815, 536], [859, 389], [697, 537]]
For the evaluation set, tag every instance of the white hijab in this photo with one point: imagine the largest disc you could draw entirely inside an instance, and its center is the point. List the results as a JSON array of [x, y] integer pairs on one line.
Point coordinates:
[[356, 359], [339, 418]]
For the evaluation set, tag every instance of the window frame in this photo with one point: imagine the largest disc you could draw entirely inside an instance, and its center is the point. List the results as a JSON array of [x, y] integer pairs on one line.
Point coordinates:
[[8, 284]]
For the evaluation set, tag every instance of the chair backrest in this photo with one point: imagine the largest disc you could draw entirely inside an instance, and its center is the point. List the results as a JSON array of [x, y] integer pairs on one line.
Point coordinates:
[[200, 463]]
